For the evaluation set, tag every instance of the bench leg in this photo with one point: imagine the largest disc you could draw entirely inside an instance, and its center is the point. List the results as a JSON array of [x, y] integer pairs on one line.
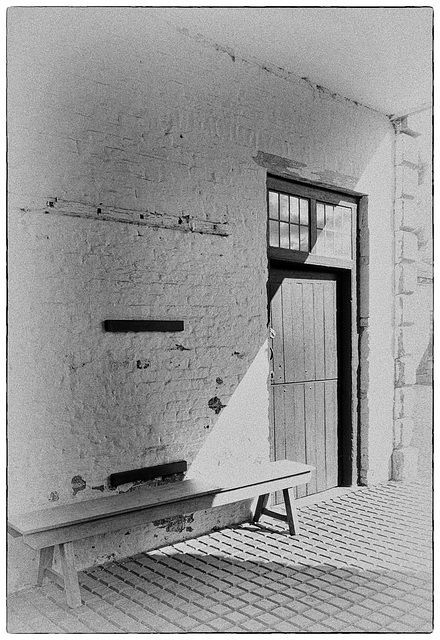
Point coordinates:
[[292, 518], [70, 575], [261, 505], [45, 562]]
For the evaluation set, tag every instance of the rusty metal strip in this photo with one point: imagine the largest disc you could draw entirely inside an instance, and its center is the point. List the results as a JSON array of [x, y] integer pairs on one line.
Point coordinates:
[[182, 222]]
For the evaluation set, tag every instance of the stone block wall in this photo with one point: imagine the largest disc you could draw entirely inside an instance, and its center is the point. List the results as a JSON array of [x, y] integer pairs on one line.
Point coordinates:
[[406, 255], [413, 340], [138, 157]]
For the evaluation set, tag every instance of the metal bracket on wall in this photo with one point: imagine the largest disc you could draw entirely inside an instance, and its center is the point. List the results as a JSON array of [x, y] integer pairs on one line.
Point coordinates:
[[401, 126], [179, 222]]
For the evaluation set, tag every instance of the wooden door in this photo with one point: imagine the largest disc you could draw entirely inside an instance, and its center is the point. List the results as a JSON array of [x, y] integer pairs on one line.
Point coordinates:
[[304, 373]]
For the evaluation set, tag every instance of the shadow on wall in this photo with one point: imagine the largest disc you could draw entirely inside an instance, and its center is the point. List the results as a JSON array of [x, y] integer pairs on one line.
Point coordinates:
[[240, 437], [425, 368]]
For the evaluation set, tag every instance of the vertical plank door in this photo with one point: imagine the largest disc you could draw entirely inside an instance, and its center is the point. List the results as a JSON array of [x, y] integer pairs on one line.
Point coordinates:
[[304, 374]]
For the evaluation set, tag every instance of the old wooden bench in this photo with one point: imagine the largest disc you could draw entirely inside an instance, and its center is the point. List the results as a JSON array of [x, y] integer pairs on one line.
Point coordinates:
[[64, 524]]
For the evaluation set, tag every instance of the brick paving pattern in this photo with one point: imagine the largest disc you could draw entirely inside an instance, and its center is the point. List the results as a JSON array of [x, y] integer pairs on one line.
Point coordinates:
[[361, 564]]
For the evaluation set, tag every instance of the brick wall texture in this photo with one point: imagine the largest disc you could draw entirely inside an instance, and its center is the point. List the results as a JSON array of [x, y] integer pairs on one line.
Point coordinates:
[[114, 110]]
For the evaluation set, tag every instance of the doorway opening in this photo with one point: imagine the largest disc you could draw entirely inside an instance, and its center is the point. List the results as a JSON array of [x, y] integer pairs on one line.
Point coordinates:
[[312, 331]]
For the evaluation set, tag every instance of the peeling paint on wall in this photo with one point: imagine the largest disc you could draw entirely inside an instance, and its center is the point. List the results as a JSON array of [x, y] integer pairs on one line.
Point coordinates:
[[277, 163], [142, 364], [155, 482], [78, 484], [109, 557], [177, 523], [216, 405], [335, 178], [180, 347], [115, 365]]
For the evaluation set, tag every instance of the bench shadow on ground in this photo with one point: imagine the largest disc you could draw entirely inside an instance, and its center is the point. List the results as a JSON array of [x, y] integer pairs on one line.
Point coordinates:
[[248, 578], [183, 591], [239, 583]]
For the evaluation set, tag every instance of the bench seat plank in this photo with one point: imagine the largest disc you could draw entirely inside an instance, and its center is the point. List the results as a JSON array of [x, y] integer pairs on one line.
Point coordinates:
[[267, 473], [243, 485], [88, 510], [199, 502], [119, 521], [148, 504]]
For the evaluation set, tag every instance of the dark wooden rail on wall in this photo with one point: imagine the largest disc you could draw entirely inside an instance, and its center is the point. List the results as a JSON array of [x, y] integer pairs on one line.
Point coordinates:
[[147, 473], [123, 326]]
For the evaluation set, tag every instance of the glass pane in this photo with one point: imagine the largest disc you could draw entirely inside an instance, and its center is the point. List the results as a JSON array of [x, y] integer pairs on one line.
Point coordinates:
[[320, 243], [338, 215], [294, 237], [273, 233], [284, 207], [338, 243], [304, 238], [320, 215], [304, 211], [273, 204], [284, 235], [336, 238], [346, 223], [289, 226], [294, 210], [346, 246], [329, 216], [329, 243]]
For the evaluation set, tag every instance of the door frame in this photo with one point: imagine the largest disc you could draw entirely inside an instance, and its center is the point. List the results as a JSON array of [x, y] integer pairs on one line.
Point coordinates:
[[347, 305]]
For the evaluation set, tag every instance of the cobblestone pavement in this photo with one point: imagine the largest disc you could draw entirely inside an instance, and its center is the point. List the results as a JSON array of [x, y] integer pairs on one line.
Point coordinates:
[[362, 563]]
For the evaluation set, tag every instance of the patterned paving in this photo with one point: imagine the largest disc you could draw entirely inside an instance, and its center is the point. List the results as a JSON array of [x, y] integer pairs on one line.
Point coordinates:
[[362, 563]]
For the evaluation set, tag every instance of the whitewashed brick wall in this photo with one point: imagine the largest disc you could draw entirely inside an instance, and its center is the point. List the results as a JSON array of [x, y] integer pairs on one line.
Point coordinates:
[[115, 110]]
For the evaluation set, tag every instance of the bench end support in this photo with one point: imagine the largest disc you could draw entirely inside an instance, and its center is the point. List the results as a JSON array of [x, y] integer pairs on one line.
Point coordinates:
[[69, 579], [291, 516], [70, 575]]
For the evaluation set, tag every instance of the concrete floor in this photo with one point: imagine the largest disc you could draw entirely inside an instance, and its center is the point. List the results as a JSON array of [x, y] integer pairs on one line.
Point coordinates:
[[361, 563]]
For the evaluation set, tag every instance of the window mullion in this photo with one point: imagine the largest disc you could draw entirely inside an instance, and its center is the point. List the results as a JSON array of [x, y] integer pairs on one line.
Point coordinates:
[[313, 225]]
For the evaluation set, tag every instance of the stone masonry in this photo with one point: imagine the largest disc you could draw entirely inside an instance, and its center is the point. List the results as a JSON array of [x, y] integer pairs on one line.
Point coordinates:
[[404, 460]]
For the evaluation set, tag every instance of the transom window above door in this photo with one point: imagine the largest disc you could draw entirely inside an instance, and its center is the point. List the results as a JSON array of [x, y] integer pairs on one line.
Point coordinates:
[[311, 222], [288, 222], [333, 231]]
